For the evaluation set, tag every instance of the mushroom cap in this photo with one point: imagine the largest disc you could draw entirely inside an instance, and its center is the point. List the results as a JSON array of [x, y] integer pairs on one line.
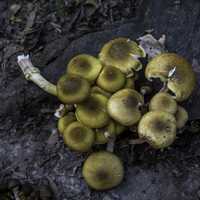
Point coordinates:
[[103, 170], [78, 137], [174, 69], [164, 102], [85, 66], [93, 111], [130, 83], [63, 122], [98, 90], [72, 89], [122, 53], [111, 79], [158, 128], [100, 133], [123, 106], [181, 117]]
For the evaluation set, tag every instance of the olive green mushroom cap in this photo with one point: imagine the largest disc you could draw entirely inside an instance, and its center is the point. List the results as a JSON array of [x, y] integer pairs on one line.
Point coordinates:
[[181, 117], [72, 89], [63, 122], [103, 134], [85, 66], [158, 128], [176, 71], [123, 106], [164, 102], [93, 111], [103, 170], [78, 137], [122, 53], [111, 79]]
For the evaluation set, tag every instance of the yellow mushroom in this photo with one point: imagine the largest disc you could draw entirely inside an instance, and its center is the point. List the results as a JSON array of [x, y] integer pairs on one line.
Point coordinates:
[[103, 170], [111, 79], [175, 71], [158, 128], [63, 122], [103, 134], [72, 89], [181, 117], [123, 106], [122, 53], [93, 111], [78, 137], [85, 66], [164, 102]]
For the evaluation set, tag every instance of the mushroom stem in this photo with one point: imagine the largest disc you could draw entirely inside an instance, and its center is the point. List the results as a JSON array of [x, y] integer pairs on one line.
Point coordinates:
[[164, 87], [32, 73], [111, 144], [60, 112], [137, 141]]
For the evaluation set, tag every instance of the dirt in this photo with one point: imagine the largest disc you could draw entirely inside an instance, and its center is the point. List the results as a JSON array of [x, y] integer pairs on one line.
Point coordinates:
[[52, 33]]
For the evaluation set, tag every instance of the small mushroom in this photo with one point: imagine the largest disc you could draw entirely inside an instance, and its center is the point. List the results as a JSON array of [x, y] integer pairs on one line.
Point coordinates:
[[164, 102], [85, 66], [158, 128], [130, 83], [122, 53], [181, 117], [175, 72], [93, 111], [119, 129], [78, 137], [103, 134], [111, 79], [65, 121], [72, 89], [123, 106], [98, 90], [103, 170]]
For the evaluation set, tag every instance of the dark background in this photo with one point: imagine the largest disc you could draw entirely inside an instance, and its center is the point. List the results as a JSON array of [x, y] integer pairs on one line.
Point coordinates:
[[53, 32]]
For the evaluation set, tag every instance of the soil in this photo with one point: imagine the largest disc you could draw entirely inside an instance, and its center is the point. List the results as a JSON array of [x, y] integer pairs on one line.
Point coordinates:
[[52, 33]]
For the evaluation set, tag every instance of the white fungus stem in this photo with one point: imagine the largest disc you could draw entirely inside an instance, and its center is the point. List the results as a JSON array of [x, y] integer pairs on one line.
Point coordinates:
[[32, 73], [137, 141], [111, 144]]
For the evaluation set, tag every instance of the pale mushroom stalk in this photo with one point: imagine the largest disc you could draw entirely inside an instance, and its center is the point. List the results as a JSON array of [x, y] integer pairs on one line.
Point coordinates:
[[32, 73], [137, 141], [111, 144]]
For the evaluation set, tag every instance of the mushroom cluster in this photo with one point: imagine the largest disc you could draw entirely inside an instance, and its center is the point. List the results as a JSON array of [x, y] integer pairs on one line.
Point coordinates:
[[108, 98], [106, 95]]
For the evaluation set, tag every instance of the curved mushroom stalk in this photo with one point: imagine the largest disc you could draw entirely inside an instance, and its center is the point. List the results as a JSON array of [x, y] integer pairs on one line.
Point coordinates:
[[32, 73]]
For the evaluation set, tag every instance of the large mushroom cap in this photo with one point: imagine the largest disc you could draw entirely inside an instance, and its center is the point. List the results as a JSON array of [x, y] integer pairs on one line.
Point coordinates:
[[123, 106], [93, 111], [63, 122], [181, 117], [163, 101], [158, 128], [176, 71], [72, 89], [122, 53], [85, 66], [103, 170], [78, 137], [111, 79]]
